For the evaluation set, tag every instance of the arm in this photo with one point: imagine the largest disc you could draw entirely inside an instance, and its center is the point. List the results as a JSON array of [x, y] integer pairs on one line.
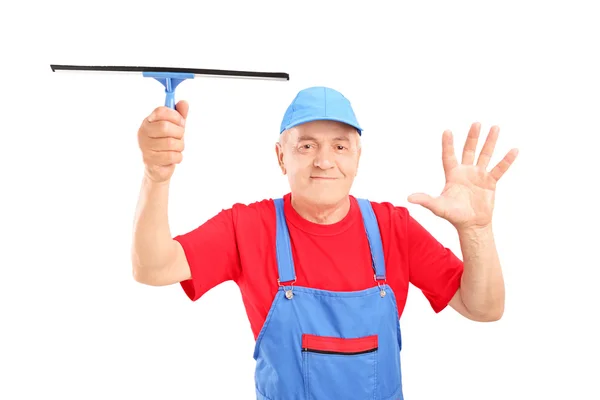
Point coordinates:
[[467, 202], [156, 258], [199, 259], [481, 293]]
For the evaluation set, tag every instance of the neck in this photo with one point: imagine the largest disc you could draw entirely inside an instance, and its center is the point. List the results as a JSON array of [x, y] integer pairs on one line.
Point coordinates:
[[321, 213]]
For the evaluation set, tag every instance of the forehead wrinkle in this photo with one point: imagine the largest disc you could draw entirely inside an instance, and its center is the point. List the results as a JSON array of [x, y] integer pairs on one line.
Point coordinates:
[[302, 137]]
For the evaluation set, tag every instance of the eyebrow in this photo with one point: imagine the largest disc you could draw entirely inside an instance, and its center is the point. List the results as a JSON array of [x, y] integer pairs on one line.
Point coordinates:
[[305, 137]]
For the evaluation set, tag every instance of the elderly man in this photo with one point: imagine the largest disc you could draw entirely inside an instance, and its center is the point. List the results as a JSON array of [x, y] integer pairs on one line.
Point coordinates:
[[324, 275]]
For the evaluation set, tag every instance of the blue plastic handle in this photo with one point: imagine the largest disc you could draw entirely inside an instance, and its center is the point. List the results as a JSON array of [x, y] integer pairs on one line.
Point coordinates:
[[170, 80]]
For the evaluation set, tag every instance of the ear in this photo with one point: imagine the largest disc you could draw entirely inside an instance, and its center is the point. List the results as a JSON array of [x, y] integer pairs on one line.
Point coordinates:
[[279, 152]]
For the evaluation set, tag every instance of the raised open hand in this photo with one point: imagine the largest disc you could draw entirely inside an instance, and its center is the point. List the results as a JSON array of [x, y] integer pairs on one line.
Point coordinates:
[[467, 200]]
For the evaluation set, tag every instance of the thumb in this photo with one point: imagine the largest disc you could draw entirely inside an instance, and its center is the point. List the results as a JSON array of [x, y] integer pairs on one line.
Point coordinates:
[[424, 200], [182, 107]]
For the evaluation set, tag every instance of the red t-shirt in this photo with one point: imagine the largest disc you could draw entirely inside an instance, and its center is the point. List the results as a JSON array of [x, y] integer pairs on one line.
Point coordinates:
[[238, 244]]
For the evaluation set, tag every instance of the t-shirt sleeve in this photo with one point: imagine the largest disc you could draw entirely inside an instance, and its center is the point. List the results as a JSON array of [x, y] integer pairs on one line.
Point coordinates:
[[434, 269], [211, 252]]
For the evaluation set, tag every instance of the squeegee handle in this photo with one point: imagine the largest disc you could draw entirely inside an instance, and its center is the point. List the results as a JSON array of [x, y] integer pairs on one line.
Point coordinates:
[[170, 99], [170, 80]]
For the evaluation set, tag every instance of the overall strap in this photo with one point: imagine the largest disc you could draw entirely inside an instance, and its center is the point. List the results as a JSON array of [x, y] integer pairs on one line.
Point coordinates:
[[285, 261], [372, 228]]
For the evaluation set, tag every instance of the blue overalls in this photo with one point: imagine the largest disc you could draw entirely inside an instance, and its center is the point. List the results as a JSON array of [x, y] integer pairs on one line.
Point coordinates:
[[325, 345]]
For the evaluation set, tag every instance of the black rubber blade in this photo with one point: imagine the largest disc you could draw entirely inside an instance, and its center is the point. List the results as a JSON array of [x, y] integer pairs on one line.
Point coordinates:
[[195, 71]]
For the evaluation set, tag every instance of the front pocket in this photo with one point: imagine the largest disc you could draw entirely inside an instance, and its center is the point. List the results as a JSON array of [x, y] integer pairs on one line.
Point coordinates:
[[339, 368]]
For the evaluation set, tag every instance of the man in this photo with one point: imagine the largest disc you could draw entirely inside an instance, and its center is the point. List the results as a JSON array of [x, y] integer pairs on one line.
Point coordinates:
[[324, 276]]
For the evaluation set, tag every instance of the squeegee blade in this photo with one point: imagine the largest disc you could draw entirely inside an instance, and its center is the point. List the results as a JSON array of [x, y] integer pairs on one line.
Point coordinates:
[[199, 72]]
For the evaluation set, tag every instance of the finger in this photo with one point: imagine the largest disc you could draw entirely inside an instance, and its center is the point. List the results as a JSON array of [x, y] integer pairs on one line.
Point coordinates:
[[448, 156], [165, 144], [164, 129], [167, 114], [488, 147], [468, 155], [163, 158], [501, 168]]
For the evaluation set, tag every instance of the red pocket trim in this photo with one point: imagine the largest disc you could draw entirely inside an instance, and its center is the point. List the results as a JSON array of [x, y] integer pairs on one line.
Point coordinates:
[[325, 344]]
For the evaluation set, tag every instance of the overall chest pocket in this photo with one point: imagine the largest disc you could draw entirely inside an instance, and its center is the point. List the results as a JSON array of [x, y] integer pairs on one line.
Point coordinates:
[[339, 368]]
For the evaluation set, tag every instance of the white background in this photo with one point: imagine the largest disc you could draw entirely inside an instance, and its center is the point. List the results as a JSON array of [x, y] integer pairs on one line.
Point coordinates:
[[75, 325]]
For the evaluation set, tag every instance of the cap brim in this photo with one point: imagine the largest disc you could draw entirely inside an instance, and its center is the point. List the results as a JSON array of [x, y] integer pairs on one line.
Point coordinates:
[[310, 119]]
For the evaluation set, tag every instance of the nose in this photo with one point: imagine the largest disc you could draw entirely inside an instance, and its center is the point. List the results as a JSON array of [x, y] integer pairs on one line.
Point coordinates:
[[324, 158]]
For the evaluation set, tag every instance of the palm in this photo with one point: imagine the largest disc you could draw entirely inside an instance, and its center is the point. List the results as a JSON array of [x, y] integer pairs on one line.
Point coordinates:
[[467, 199], [468, 196]]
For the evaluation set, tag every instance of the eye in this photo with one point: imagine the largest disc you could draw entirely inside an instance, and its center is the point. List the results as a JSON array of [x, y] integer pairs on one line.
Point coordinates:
[[340, 147]]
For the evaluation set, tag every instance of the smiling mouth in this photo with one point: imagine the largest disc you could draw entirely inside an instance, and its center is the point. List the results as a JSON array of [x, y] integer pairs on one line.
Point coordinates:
[[324, 178]]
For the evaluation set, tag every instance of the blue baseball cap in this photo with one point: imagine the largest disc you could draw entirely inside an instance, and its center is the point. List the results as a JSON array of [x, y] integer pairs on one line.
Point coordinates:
[[319, 103]]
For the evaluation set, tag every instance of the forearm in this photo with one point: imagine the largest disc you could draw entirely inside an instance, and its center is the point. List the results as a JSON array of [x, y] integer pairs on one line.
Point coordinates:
[[482, 284], [152, 245]]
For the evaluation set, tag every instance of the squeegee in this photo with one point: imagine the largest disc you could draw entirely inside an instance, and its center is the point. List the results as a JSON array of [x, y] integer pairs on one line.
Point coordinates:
[[170, 78]]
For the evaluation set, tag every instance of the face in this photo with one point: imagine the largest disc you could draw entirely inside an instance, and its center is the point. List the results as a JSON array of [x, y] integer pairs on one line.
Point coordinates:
[[320, 159]]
